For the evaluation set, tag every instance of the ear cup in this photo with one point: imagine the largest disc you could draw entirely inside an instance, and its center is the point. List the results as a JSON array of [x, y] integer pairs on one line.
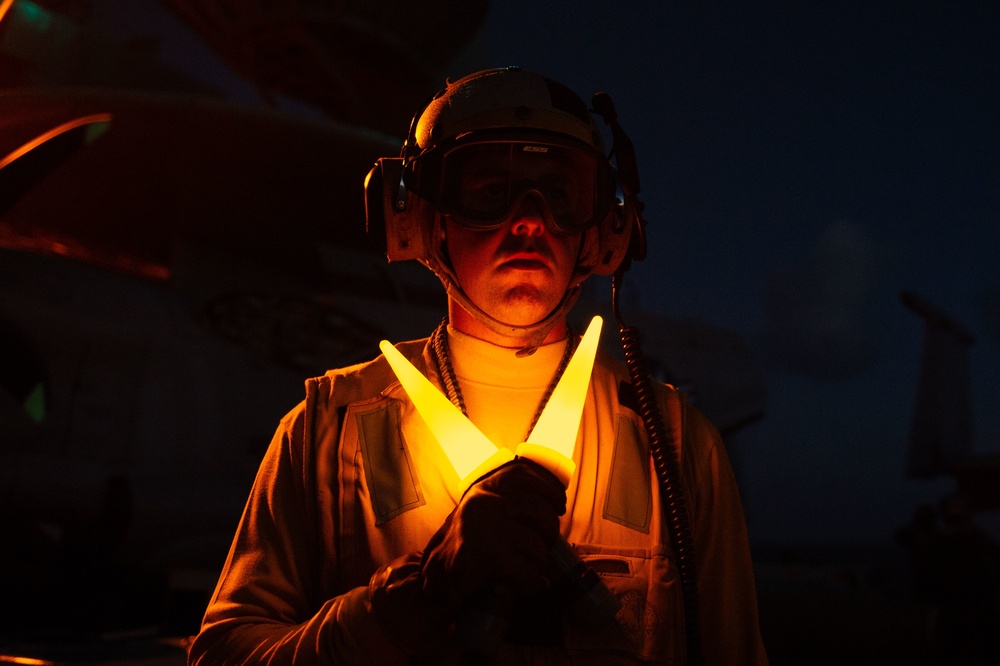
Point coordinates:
[[637, 242], [396, 219], [374, 207], [613, 236]]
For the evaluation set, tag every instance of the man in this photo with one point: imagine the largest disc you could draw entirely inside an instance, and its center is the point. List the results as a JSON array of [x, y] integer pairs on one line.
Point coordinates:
[[359, 544]]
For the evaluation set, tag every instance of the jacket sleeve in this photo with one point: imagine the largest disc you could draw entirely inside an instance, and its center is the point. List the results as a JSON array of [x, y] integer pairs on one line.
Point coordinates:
[[727, 594], [268, 606]]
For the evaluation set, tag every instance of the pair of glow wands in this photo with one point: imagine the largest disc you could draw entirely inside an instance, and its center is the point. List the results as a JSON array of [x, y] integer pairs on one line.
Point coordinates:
[[471, 453], [550, 444]]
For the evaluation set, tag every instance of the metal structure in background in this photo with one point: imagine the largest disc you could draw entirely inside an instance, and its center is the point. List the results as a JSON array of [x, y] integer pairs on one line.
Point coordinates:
[[942, 437], [172, 265], [358, 61]]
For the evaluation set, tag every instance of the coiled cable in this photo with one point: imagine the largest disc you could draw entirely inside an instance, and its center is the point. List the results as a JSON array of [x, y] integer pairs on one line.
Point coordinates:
[[668, 473]]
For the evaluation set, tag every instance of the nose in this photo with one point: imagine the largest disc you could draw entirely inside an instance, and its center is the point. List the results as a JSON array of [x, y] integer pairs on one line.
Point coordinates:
[[528, 218]]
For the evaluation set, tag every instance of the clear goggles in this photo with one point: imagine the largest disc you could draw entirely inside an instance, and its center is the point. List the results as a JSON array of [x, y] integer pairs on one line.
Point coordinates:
[[479, 185]]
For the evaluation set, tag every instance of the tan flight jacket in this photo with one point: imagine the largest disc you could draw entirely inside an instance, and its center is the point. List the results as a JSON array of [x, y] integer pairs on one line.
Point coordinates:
[[353, 479]]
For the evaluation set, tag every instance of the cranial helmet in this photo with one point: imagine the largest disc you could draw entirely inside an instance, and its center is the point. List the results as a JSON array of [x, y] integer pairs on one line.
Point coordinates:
[[514, 117]]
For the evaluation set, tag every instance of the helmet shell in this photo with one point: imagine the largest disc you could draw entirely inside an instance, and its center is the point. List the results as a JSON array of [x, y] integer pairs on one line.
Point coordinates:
[[509, 99]]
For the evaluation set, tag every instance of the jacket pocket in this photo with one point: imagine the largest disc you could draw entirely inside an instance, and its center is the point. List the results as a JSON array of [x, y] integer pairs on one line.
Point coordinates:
[[650, 623]]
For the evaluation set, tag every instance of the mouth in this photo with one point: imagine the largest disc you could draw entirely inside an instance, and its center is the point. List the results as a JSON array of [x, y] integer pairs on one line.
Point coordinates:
[[525, 261], [525, 264]]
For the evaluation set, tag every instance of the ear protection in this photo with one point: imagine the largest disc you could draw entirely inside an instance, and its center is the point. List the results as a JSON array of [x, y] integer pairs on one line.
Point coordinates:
[[391, 221], [628, 180]]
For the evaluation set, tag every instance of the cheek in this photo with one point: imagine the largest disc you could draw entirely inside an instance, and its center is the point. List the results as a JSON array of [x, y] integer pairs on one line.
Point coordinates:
[[466, 251], [569, 252], [463, 270]]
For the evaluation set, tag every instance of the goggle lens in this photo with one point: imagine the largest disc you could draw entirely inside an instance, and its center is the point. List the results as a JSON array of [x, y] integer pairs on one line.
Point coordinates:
[[481, 183]]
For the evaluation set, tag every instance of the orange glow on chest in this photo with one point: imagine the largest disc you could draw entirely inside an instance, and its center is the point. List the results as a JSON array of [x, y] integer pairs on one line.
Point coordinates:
[[470, 452]]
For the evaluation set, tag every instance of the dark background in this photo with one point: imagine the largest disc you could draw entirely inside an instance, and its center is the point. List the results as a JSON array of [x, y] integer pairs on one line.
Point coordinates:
[[801, 165]]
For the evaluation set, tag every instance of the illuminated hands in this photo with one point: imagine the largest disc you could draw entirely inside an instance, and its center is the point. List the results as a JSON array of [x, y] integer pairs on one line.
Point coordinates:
[[504, 534], [496, 541], [507, 524]]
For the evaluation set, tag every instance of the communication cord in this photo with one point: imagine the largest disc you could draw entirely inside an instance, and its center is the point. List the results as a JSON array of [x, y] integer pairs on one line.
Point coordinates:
[[667, 472]]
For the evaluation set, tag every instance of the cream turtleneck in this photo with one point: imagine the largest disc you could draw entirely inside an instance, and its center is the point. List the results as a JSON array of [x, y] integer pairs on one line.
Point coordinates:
[[502, 391]]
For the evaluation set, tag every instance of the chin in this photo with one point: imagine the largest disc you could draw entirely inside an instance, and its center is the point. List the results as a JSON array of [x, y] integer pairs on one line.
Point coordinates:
[[523, 313], [519, 305]]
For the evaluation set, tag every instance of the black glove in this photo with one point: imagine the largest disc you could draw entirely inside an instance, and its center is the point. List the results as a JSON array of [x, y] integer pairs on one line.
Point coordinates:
[[498, 537]]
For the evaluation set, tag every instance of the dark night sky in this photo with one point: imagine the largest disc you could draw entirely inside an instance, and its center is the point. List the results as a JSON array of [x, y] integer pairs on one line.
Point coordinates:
[[800, 167]]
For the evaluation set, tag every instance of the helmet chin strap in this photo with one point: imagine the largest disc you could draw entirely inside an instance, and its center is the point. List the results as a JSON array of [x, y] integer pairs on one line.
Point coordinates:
[[532, 334]]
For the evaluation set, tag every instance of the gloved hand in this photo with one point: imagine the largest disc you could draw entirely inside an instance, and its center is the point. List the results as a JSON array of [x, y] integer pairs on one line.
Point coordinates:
[[499, 536]]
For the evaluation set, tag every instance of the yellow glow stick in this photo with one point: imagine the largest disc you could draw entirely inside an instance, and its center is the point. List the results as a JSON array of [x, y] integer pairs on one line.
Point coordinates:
[[553, 438], [471, 453]]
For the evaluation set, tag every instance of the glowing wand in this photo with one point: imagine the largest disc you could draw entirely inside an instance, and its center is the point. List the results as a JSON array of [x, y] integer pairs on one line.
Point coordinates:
[[550, 444], [471, 453]]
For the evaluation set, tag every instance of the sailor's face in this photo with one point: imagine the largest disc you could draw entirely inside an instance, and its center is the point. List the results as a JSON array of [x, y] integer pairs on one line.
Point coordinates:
[[518, 272]]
